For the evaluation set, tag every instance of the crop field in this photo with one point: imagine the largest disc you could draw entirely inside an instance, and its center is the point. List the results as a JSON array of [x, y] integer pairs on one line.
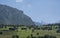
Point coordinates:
[[29, 32]]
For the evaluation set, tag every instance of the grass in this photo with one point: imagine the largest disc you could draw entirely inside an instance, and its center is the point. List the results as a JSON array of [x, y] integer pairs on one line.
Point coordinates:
[[28, 32]]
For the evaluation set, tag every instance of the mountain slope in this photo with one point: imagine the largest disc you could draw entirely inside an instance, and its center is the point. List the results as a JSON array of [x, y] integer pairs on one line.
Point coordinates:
[[9, 15]]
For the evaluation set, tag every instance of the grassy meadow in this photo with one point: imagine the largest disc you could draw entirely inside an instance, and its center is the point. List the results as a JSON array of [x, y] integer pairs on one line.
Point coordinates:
[[43, 31]]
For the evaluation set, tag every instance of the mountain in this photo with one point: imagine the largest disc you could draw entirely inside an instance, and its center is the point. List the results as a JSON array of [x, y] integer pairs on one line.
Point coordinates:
[[10, 15], [37, 23]]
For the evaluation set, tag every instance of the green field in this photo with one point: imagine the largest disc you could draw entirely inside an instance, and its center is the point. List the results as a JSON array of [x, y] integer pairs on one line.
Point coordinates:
[[26, 32]]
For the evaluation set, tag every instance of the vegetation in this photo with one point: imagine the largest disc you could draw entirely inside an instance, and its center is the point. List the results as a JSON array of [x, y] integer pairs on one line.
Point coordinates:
[[21, 31]]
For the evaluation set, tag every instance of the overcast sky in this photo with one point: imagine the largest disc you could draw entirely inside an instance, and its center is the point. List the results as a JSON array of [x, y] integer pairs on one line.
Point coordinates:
[[47, 11]]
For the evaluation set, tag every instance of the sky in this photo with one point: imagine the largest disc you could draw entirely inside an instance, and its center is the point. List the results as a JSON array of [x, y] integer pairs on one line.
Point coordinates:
[[46, 11]]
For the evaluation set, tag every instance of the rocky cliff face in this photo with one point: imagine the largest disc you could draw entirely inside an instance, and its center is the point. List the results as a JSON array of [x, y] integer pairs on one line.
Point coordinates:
[[9, 15]]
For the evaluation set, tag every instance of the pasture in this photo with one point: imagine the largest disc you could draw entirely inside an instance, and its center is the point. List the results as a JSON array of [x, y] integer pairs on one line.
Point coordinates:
[[29, 31]]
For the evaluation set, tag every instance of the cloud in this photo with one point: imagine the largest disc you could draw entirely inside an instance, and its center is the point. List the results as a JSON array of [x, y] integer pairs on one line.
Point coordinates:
[[19, 1]]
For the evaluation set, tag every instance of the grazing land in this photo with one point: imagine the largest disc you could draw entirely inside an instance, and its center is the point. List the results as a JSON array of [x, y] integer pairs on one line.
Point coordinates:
[[21, 31]]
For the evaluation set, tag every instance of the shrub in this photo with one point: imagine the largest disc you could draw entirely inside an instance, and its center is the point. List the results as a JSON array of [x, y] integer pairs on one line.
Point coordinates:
[[28, 37], [40, 37], [1, 26], [23, 28], [12, 29], [0, 32], [58, 31], [5, 26], [46, 36], [31, 35], [29, 27], [53, 37], [32, 30], [49, 36], [37, 33], [15, 36]]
